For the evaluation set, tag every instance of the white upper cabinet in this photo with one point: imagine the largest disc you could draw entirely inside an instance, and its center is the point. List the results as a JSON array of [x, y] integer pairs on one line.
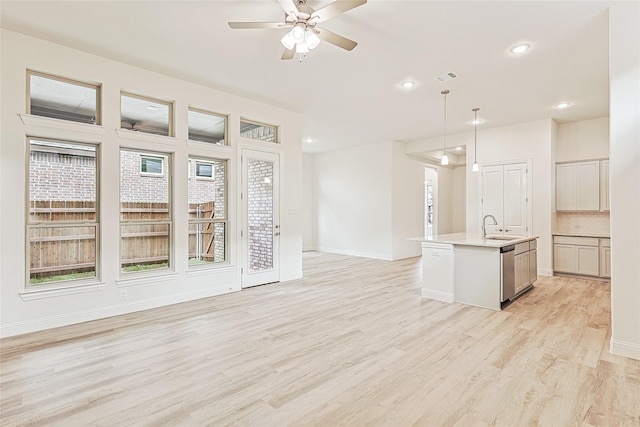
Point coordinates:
[[504, 195], [578, 186]]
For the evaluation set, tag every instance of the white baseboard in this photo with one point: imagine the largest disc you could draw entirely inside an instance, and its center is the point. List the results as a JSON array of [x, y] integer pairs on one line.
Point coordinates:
[[385, 257], [50, 322], [437, 295], [291, 276], [626, 349], [545, 272]]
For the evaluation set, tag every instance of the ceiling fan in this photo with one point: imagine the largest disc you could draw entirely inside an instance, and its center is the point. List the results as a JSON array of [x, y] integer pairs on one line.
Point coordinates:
[[302, 19]]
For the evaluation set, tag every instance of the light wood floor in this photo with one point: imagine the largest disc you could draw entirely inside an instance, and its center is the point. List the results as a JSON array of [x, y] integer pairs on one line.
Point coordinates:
[[351, 344]]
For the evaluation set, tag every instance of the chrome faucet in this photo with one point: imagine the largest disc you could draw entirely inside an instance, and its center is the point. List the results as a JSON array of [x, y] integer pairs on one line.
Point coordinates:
[[484, 227]]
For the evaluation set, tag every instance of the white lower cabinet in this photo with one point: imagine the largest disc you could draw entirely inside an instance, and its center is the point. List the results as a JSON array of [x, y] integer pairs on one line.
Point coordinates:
[[576, 255], [521, 261], [605, 258]]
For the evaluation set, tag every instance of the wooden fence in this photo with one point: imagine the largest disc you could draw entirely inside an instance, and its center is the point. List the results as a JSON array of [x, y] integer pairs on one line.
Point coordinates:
[[63, 249]]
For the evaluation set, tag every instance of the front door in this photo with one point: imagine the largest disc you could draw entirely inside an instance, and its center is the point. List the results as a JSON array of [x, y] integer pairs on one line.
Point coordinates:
[[260, 229]]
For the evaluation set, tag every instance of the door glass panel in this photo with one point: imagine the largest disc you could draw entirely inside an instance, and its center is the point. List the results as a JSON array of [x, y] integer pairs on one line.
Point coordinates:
[[260, 217]]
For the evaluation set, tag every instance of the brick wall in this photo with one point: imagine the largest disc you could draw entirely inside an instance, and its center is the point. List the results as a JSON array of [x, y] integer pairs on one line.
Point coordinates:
[[137, 187], [55, 176]]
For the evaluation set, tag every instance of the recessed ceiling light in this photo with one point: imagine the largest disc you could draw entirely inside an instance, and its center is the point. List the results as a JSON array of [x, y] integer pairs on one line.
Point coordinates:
[[475, 122], [458, 148], [308, 141], [519, 48], [407, 84], [152, 108], [563, 105]]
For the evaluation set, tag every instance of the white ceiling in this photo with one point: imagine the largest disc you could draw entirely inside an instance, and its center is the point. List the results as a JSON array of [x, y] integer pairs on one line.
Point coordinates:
[[355, 98]]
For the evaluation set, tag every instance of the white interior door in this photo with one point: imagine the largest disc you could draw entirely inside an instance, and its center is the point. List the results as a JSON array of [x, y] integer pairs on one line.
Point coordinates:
[[260, 231], [492, 197], [515, 199]]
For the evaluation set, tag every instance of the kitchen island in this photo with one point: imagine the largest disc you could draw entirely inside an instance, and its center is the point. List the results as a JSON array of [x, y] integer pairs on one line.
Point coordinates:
[[482, 271]]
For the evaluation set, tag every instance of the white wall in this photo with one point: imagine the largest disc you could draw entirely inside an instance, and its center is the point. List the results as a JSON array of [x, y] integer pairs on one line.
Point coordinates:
[[353, 199], [25, 313], [407, 203], [583, 140], [444, 201], [458, 203], [625, 178], [308, 212], [531, 140]]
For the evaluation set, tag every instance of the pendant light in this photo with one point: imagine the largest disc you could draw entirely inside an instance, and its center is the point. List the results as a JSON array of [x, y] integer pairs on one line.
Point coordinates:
[[475, 167], [444, 161]]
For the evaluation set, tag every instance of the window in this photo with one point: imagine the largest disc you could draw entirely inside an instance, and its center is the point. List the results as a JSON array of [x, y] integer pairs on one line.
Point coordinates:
[[64, 99], [151, 165], [260, 131], [207, 127], [141, 114], [62, 226], [204, 170], [207, 214], [145, 212]]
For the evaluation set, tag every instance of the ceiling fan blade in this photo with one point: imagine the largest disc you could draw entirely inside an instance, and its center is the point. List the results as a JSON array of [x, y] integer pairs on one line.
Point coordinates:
[[335, 8], [249, 25], [288, 54], [289, 7], [338, 40]]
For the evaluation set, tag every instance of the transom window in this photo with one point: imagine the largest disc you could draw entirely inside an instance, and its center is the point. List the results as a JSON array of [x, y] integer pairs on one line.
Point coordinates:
[[63, 225], [207, 127], [60, 98], [259, 131], [147, 115]]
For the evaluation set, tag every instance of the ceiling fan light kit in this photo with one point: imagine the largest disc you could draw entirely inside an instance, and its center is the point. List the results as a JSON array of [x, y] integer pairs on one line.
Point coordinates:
[[302, 19]]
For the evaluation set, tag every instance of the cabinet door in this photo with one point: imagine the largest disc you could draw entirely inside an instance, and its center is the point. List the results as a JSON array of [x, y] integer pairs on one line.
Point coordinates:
[[587, 257], [564, 258], [515, 199], [492, 197], [604, 185], [533, 265], [588, 186], [605, 262], [566, 194], [522, 271]]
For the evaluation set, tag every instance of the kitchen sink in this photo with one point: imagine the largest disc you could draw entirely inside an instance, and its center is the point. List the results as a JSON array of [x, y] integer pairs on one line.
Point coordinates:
[[503, 237]]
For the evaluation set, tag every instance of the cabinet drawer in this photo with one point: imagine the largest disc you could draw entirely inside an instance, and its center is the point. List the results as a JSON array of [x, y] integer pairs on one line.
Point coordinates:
[[582, 241], [522, 247]]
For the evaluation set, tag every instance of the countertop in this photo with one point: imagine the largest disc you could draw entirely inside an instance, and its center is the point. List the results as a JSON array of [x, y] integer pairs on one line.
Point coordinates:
[[469, 239], [601, 236]]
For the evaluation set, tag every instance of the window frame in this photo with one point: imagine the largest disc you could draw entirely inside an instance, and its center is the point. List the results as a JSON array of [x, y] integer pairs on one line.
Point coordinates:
[[95, 85], [210, 113], [198, 162], [169, 221], [152, 174], [35, 225], [224, 220]]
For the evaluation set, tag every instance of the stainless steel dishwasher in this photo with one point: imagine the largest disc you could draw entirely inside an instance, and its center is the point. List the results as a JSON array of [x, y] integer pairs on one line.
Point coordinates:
[[508, 272]]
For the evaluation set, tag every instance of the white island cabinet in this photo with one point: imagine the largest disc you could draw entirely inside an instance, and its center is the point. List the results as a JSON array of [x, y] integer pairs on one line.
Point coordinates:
[[471, 270]]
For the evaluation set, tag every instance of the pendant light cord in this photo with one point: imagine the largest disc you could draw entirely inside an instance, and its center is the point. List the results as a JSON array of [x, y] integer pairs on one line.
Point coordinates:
[[475, 135], [445, 93]]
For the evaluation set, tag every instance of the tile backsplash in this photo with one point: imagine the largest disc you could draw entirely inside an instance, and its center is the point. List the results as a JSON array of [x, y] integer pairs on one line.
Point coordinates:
[[583, 223]]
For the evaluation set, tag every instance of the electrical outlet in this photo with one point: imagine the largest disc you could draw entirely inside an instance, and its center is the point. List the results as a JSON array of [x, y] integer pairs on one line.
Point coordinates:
[[123, 294]]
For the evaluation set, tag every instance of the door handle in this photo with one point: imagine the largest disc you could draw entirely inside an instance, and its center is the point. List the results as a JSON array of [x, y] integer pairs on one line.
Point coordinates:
[[506, 230]]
